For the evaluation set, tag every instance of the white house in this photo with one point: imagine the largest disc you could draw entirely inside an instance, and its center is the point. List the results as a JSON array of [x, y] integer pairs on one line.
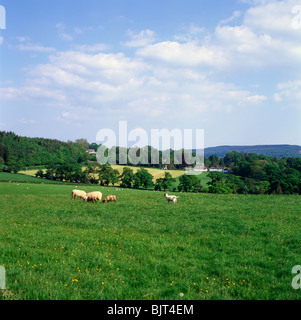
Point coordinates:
[[217, 169], [195, 170], [91, 151]]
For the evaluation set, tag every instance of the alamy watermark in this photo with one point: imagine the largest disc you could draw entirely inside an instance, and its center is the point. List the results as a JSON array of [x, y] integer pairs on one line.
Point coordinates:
[[296, 21], [296, 282], [145, 146], [2, 278], [2, 17]]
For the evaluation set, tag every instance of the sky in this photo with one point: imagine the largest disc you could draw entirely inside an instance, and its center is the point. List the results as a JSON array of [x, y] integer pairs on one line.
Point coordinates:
[[69, 69]]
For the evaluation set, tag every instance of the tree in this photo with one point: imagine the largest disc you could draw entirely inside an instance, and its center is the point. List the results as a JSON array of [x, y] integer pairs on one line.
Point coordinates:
[[188, 183], [38, 151], [127, 177], [143, 178], [207, 163], [114, 176], [64, 171], [50, 173], [167, 181], [213, 160], [164, 183], [39, 173], [83, 143], [159, 184], [108, 175], [15, 165], [218, 183], [263, 187]]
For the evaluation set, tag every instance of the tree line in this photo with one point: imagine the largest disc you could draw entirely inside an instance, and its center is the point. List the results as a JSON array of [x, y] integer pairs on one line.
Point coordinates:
[[256, 174], [248, 173], [17, 153], [105, 175]]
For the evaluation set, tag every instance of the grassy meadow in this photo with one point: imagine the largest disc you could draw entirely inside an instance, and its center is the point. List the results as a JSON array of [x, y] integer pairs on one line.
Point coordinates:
[[205, 247], [22, 177]]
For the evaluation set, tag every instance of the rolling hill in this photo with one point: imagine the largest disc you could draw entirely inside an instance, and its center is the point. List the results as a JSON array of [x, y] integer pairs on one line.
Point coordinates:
[[278, 151]]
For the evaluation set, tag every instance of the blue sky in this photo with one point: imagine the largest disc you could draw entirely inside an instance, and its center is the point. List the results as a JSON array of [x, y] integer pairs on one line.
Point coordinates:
[[232, 68]]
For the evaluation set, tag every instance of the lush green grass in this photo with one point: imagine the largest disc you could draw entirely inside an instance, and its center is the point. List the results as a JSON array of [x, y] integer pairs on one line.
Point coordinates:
[[204, 247], [203, 177], [16, 177]]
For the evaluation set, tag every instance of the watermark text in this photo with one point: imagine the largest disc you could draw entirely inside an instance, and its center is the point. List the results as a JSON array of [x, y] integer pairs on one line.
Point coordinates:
[[296, 282], [2, 278], [138, 146], [2, 17]]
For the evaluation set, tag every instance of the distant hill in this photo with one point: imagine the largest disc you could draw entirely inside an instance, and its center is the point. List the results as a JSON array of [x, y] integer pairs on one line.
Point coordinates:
[[17, 151], [278, 151]]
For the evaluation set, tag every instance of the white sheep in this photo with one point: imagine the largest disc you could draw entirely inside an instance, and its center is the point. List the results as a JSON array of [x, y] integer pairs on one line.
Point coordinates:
[[171, 198], [110, 198], [78, 194], [93, 196]]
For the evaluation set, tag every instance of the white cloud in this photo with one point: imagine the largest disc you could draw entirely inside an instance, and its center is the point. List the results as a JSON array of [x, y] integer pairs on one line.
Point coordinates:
[[187, 54], [92, 48], [79, 30], [272, 16], [24, 121], [264, 39], [23, 39], [34, 47], [179, 78], [289, 93], [191, 33], [26, 45], [140, 39], [274, 19], [77, 81], [31, 92], [1, 40], [255, 99], [63, 35], [235, 15]]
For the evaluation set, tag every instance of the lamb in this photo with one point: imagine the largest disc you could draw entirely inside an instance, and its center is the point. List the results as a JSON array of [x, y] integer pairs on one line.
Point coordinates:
[[93, 196], [171, 198], [78, 194], [110, 198]]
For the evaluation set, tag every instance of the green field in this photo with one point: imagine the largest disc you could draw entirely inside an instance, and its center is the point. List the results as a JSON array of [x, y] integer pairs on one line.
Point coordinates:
[[20, 177], [204, 247]]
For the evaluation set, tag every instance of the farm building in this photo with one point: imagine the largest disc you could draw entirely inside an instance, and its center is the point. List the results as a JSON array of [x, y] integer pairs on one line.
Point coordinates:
[[218, 169], [91, 151]]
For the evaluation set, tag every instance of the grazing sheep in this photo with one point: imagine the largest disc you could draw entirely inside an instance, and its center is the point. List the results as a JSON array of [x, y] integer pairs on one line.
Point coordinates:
[[110, 198], [171, 198], [93, 196], [78, 194]]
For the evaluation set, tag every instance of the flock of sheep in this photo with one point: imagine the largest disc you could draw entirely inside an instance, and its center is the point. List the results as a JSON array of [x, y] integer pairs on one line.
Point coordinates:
[[97, 196], [91, 196]]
